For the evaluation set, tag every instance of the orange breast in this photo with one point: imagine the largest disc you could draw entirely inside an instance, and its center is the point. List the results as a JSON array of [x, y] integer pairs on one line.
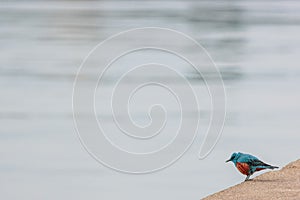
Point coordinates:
[[243, 168]]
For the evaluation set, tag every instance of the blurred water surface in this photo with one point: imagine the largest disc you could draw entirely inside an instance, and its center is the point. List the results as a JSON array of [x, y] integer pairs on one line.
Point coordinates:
[[255, 44]]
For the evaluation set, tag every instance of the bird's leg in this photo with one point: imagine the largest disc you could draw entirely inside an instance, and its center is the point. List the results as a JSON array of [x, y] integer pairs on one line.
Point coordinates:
[[250, 172], [247, 178]]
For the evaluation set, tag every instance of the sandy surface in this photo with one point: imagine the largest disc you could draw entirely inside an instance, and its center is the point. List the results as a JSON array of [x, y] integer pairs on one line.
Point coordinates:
[[280, 184]]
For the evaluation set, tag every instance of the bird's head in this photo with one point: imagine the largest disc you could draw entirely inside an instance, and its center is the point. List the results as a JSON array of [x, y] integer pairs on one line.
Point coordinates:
[[233, 157]]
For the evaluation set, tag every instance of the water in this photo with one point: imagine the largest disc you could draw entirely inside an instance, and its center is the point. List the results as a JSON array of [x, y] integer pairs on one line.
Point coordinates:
[[255, 44]]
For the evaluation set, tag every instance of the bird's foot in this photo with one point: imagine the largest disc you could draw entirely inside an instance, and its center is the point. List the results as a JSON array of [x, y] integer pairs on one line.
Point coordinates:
[[247, 178]]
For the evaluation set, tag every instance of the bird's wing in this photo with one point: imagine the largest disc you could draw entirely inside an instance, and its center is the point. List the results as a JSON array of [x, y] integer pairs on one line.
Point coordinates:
[[256, 163], [251, 160], [247, 158]]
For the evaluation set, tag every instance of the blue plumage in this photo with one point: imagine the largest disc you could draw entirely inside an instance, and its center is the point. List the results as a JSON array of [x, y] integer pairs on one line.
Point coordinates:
[[248, 164]]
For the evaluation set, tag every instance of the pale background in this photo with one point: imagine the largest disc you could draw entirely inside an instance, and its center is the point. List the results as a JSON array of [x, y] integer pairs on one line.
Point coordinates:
[[256, 45]]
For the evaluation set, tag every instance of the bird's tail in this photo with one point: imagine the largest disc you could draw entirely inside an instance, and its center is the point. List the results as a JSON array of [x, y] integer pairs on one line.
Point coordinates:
[[273, 167], [269, 166]]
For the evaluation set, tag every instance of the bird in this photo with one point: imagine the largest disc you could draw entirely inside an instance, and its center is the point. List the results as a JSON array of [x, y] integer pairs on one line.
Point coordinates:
[[248, 164]]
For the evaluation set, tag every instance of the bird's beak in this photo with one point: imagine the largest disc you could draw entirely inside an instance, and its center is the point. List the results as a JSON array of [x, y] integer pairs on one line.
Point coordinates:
[[228, 160]]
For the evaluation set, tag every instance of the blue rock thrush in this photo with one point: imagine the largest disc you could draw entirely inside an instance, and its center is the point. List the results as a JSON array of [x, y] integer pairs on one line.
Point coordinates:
[[248, 164]]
